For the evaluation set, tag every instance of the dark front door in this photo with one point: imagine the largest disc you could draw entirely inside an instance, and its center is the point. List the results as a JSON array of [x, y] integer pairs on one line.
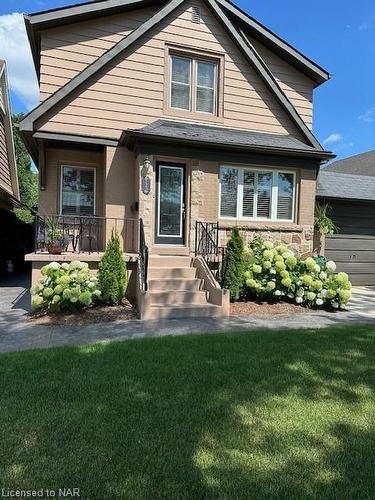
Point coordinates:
[[170, 204]]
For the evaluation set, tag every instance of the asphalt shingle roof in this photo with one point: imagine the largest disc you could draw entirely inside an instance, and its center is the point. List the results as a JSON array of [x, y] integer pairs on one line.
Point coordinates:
[[220, 135], [338, 185], [362, 164]]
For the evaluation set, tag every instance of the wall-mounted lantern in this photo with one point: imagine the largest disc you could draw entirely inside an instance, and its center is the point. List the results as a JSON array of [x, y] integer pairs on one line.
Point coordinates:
[[146, 180]]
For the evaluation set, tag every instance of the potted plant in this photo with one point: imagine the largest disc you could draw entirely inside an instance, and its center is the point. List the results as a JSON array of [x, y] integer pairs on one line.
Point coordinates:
[[324, 226], [54, 236]]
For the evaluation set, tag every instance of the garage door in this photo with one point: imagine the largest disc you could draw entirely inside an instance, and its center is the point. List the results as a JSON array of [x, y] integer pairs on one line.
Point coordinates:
[[353, 248]]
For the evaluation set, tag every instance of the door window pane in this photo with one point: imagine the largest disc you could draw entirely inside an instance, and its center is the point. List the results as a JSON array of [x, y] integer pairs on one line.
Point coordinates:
[[170, 201], [78, 191], [206, 86], [285, 196], [180, 82], [264, 195], [229, 190]]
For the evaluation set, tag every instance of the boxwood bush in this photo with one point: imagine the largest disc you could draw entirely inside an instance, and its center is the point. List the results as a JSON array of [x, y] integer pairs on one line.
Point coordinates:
[[65, 287], [113, 274]]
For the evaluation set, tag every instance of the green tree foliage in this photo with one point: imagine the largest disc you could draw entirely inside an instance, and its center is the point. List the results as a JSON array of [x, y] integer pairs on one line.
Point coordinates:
[[233, 265], [112, 275], [27, 180]]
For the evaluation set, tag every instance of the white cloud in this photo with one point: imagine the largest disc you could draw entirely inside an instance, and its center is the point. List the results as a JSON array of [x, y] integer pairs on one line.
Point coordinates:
[[14, 48], [364, 26], [333, 138], [368, 116]]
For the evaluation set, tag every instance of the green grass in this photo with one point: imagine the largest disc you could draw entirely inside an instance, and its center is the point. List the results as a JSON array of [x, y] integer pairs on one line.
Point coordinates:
[[286, 415]]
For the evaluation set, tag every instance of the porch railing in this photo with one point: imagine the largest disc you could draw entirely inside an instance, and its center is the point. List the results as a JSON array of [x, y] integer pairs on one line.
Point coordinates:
[[143, 257], [84, 234], [207, 246]]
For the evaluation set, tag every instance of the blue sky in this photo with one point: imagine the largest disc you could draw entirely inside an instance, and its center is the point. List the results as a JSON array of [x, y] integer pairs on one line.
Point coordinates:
[[338, 35]]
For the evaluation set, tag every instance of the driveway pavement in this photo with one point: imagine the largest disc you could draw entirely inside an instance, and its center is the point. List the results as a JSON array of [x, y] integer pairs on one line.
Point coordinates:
[[16, 333]]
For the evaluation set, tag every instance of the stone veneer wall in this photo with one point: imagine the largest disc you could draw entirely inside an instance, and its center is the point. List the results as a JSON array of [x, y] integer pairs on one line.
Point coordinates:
[[298, 238]]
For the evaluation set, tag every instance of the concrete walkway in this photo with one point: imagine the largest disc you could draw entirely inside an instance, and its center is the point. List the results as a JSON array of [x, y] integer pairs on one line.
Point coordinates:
[[16, 333]]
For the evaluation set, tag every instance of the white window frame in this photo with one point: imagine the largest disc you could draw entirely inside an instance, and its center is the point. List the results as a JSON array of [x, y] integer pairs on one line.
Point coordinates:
[[194, 83], [62, 185], [2, 95], [274, 193]]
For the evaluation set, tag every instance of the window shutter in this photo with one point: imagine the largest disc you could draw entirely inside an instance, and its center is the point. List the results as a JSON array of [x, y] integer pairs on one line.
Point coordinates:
[[285, 196], [264, 195], [229, 183], [248, 194]]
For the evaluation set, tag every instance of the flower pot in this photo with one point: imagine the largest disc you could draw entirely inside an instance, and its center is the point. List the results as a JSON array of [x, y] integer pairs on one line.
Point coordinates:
[[54, 248]]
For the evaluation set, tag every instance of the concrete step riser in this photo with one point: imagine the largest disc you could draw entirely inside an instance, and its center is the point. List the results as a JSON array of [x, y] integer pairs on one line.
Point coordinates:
[[170, 261], [177, 298], [171, 285], [171, 273], [182, 312]]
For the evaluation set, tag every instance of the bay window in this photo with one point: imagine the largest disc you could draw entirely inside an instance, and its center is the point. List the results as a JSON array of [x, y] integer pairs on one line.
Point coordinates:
[[77, 191], [257, 194], [194, 84]]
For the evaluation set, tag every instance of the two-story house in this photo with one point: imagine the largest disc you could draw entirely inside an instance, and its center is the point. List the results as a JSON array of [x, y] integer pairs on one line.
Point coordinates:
[[9, 190], [171, 121]]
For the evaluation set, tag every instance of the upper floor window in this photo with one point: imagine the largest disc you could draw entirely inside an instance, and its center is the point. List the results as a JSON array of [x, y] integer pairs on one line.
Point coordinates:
[[257, 194], [77, 191], [194, 84]]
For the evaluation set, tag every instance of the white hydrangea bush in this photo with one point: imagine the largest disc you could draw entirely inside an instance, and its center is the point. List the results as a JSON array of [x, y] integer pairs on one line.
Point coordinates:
[[275, 272], [64, 287]]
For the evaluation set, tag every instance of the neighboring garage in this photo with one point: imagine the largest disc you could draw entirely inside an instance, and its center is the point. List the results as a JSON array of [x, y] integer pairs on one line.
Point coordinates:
[[351, 199]]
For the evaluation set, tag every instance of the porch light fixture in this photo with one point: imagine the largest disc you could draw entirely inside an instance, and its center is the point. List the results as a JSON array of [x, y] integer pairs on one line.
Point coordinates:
[[147, 166]]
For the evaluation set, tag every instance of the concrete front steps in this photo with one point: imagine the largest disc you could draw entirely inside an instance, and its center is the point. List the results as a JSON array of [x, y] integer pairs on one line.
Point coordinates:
[[176, 291]]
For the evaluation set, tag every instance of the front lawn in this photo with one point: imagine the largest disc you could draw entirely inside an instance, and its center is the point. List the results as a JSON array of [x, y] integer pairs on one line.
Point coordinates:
[[287, 415]]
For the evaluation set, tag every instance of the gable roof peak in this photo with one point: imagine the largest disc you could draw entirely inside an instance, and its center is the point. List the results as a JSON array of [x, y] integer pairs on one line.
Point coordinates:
[[239, 37]]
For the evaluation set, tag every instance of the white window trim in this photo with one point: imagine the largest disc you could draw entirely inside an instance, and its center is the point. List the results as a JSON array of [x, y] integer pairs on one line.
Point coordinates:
[[62, 184], [275, 173], [194, 83], [2, 95]]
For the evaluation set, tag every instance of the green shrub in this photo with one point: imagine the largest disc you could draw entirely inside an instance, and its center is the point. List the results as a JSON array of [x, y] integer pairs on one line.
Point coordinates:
[[113, 276], [233, 265], [274, 272], [65, 287]]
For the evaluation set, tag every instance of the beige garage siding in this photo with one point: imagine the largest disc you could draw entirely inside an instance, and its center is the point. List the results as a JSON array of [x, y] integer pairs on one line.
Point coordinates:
[[5, 178], [136, 84]]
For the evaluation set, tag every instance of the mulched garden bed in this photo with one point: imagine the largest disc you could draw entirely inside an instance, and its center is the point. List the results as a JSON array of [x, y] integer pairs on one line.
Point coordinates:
[[99, 314], [258, 308]]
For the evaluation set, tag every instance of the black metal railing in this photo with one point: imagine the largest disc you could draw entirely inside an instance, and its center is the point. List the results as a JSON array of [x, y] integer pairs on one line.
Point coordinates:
[[83, 234], [207, 246], [143, 257]]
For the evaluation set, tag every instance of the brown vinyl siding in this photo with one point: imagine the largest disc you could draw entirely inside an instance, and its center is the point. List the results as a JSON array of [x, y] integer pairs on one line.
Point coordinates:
[[67, 51], [5, 176], [131, 92], [297, 87]]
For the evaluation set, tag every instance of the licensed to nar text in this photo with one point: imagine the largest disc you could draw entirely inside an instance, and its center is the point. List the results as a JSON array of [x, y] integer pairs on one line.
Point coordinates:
[[40, 493]]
